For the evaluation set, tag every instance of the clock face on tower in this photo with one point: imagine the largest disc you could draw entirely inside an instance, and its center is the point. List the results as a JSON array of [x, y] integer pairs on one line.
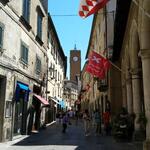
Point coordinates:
[[75, 58]]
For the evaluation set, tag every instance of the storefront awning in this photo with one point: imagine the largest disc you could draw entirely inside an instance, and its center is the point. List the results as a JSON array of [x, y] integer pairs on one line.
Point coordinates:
[[53, 99], [23, 86], [41, 99], [62, 103]]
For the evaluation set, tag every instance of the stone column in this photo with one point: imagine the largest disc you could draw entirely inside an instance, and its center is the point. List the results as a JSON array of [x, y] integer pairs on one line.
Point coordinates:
[[145, 55], [136, 102], [124, 96], [129, 96]]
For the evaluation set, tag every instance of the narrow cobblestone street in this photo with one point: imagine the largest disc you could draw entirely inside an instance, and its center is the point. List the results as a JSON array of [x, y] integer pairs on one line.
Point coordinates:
[[53, 139]]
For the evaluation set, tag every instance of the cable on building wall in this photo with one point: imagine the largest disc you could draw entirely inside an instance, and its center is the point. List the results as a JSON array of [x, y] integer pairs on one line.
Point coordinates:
[[76, 15], [111, 12]]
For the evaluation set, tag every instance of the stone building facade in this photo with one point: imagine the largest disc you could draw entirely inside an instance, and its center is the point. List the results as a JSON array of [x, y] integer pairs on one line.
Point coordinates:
[[23, 62], [70, 93], [133, 55], [101, 41], [97, 44], [57, 66], [127, 83], [85, 94]]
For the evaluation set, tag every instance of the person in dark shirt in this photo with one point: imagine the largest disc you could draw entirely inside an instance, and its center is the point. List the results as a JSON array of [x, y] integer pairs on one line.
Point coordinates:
[[97, 118], [64, 122], [106, 119], [57, 118]]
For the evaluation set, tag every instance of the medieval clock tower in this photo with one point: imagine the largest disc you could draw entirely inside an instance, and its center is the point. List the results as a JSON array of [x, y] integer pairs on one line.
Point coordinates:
[[75, 64]]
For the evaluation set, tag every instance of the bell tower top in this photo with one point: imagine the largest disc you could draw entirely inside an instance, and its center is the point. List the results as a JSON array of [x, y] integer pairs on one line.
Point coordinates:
[[75, 47]]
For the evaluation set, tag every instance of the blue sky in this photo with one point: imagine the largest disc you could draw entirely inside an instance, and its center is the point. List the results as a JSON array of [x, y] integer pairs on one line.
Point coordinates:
[[71, 30]]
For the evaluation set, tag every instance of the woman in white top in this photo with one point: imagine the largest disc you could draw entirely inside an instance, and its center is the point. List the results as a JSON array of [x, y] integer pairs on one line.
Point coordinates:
[[87, 119]]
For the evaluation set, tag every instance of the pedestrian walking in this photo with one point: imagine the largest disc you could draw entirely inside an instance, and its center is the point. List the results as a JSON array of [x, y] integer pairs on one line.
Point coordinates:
[[69, 118], [93, 119], [58, 118], [30, 119], [76, 117], [97, 118], [64, 122], [87, 119], [61, 117], [106, 119], [71, 113]]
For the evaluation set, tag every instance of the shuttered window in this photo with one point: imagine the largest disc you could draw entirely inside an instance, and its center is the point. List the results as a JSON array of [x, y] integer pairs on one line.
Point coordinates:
[[24, 53], [38, 65], [1, 35], [39, 25], [26, 10]]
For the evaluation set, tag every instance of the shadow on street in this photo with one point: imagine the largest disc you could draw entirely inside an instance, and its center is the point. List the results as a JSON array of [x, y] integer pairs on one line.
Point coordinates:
[[75, 138]]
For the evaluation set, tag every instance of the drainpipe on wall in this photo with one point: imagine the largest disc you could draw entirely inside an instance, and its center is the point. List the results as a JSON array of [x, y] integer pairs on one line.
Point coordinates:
[[47, 79]]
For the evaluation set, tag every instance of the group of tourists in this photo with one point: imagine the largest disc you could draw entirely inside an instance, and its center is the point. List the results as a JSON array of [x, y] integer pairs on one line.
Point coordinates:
[[96, 121], [89, 120]]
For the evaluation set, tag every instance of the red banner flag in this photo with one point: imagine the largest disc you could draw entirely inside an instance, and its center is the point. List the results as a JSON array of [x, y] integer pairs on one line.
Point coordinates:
[[89, 7], [97, 65]]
